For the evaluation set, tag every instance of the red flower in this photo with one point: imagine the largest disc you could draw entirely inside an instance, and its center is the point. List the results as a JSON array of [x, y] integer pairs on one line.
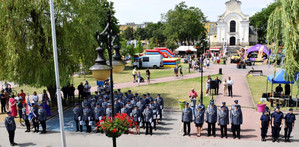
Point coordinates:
[[104, 127], [114, 130]]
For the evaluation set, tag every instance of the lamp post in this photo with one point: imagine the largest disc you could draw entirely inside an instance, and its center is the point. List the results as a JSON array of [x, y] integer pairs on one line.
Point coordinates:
[[201, 72], [101, 71]]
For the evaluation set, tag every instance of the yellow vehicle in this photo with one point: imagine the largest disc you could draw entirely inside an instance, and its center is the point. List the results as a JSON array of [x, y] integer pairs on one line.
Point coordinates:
[[235, 58]]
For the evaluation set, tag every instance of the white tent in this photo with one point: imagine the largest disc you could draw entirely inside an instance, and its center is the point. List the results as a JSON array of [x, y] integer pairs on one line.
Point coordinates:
[[185, 48]]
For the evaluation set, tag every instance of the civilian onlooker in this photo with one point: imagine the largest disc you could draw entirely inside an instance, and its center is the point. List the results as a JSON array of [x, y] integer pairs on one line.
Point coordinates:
[[13, 106], [287, 89], [3, 101], [81, 90], [181, 71], [138, 77], [218, 82], [20, 107], [23, 96], [225, 87], [148, 74], [176, 71], [278, 89], [72, 91], [87, 88], [35, 98], [134, 73], [230, 83], [46, 103], [208, 85], [65, 92]]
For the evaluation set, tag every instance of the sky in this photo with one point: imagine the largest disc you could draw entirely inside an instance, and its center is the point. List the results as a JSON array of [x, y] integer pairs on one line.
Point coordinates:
[[140, 11]]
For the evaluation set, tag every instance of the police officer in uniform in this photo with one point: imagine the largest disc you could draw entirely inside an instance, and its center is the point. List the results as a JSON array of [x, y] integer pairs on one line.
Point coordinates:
[[187, 118], [141, 107], [129, 107], [203, 107], [87, 117], [289, 124], [78, 113], [160, 101], [136, 114], [34, 110], [124, 109], [199, 119], [236, 118], [117, 106], [265, 123], [42, 117], [130, 95], [277, 120], [98, 114], [109, 111], [10, 126], [223, 120], [148, 118], [25, 118], [211, 118]]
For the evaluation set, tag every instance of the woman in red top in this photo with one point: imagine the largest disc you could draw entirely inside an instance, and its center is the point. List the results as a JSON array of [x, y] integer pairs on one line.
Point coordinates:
[[13, 106]]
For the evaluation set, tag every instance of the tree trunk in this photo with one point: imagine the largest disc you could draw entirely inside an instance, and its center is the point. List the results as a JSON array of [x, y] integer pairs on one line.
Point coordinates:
[[52, 92]]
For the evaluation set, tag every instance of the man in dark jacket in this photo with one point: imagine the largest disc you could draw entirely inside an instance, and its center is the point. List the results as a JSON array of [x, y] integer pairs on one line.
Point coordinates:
[[81, 90]]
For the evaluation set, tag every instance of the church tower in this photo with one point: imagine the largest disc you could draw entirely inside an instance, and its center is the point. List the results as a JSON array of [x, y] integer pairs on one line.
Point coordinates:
[[233, 25]]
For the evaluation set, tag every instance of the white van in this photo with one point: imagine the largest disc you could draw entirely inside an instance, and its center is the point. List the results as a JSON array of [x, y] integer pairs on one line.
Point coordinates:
[[149, 61]]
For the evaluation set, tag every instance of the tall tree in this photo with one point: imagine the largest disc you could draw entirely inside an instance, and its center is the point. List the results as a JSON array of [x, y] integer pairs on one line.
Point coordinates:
[[184, 24], [140, 33], [26, 39], [260, 19], [283, 26], [128, 34], [139, 47]]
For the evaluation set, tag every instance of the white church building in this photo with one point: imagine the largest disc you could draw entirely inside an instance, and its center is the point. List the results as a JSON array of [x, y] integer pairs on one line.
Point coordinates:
[[233, 27]]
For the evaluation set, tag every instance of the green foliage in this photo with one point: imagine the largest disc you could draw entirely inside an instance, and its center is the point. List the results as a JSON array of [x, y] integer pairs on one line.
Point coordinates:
[[128, 34], [26, 39], [140, 33], [127, 49], [185, 24], [283, 26], [139, 47], [260, 19], [151, 44]]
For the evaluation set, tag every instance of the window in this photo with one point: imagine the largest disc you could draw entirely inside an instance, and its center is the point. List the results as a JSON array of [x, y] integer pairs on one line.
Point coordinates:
[[145, 59], [232, 26]]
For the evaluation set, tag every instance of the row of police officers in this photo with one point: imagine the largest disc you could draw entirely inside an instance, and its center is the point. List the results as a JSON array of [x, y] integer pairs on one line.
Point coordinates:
[[145, 111], [222, 116], [276, 121]]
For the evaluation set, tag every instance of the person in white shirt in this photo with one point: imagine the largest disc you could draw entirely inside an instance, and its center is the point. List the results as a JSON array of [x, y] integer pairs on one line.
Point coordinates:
[[35, 98], [87, 88], [225, 87], [230, 83]]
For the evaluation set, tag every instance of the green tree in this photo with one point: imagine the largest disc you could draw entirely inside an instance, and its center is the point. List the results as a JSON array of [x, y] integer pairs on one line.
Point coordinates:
[[283, 26], [26, 42], [151, 44], [140, 33], [139, 47], [128, 34], [259, 20], [184, 23], [127, 49]]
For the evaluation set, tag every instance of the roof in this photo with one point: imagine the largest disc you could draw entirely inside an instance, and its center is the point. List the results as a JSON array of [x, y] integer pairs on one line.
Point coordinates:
[[279, 78], [185, 48]]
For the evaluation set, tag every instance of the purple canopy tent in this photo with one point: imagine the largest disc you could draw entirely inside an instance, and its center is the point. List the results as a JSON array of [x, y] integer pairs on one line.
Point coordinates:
[[257, 48]]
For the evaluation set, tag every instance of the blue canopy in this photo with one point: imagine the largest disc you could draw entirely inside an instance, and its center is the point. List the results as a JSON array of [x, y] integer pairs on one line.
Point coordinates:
[[279, 78]]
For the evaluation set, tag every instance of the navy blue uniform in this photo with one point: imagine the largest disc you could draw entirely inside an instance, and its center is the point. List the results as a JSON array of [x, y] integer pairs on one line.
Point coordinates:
[[223, 121], [87, 117], [25, 118], [11, 128], [236, 118], [289, 121], [42, 117], [265, 120], [276, 120]]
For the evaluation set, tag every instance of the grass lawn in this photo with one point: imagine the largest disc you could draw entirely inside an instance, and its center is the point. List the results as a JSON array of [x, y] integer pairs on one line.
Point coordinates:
[[174, 90], [125, 76], [257, 86]]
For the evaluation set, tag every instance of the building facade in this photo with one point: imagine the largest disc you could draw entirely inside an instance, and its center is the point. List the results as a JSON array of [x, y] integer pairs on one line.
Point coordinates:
[[233, 27], [132, 25]]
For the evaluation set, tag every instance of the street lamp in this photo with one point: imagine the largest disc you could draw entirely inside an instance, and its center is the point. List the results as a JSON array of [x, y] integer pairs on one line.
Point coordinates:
[[101, 71], [201, 72]]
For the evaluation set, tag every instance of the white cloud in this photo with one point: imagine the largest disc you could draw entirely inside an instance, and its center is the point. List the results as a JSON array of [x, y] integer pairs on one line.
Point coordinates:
[[139, 11]]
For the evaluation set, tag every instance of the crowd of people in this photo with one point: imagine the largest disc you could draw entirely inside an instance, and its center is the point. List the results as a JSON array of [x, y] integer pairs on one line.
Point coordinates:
[[145, 110], [138, 78]]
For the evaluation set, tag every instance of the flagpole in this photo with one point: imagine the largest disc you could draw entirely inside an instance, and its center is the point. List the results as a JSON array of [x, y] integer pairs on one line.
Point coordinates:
[[60, 110]]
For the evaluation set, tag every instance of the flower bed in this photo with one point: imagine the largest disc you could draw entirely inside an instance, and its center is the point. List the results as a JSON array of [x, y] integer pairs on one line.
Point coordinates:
[[115, 127]]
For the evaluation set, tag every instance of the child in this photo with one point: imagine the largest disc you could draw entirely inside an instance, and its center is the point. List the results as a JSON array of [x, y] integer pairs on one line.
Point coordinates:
[[25, 118], [42, 117], [181, 71], [20, 107]]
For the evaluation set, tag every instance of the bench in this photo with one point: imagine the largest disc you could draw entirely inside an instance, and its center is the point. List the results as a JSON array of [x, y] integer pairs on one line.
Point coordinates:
[[255, 71]]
